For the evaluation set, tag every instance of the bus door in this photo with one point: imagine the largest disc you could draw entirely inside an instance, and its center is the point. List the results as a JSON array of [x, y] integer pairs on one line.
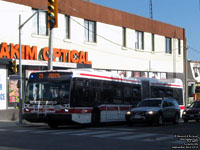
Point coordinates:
[[145, 89]]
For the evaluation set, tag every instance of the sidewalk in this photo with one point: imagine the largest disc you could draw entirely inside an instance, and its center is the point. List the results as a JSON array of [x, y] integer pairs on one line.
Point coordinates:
[[8, 123]]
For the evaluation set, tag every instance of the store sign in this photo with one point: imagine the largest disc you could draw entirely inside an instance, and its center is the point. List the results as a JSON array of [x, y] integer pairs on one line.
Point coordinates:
[[30, 53]]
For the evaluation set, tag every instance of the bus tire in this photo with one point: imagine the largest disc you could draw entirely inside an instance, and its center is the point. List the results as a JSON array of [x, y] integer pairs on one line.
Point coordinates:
[[52, 125], [96, 118]]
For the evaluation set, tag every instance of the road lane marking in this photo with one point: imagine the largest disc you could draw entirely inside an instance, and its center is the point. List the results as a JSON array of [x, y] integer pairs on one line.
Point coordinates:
[[137, 136], [113, 129], [21, 130], [43, 131], [4, 130], [112, 134], [71, 132], [167, 137], [90, 133]]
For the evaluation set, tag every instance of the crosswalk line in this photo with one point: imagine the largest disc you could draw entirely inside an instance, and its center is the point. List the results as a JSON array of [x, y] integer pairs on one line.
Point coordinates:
[[3, 129], [21, 130], [112, 134], [113, 129], [136, 136], [90, 133], [115, 133], [71, 132], [43, 131], [167, 137]]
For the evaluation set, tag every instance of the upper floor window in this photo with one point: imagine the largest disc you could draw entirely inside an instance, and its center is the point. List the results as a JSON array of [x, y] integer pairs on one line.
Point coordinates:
[[179, 46], [67, 19], [168, 45], [40, 25], [90, 31], [152, 42], [139, 44], [123, 36]]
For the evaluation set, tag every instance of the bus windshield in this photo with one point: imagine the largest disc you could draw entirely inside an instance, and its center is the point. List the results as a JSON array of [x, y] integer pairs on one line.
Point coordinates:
[[48, 92]]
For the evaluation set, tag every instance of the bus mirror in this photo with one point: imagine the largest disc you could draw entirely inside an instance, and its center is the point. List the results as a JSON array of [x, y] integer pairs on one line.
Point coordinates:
[[18, 84]]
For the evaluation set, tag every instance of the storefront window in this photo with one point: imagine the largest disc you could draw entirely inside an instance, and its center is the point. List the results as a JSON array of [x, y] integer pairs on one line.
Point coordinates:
[[13, 91]]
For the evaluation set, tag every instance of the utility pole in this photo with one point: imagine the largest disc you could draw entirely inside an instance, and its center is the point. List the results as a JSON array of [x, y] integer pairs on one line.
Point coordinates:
[[151, 9]]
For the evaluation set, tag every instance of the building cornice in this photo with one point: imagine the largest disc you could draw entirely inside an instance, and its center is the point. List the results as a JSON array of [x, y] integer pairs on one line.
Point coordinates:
[[91, 11]]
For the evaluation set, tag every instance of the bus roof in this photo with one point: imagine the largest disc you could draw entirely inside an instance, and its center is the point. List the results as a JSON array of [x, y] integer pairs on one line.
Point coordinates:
[[113, 76]]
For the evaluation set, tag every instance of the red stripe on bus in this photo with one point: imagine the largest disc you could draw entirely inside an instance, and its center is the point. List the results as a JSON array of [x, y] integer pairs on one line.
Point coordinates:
[[111, 108], [105, 77], [182, 107], [165, 84], [125, 108]]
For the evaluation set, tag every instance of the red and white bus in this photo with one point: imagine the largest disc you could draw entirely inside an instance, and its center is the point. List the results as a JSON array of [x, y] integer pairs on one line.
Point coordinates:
[[90, 96]]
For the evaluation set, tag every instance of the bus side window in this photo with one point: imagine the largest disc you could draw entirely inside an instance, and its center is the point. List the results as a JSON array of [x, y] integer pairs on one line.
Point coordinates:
[[169, 92], [136, 94], [178, 95], [80, 92], [107, 92], [154, 92], [94, 92], [127, 94]]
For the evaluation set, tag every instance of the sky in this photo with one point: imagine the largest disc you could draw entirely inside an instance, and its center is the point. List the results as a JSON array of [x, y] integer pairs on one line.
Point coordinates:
[[181, 13]]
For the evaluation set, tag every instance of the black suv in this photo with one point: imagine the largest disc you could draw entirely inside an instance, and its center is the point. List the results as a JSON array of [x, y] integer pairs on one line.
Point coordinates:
[[192, 112], [154, 110]]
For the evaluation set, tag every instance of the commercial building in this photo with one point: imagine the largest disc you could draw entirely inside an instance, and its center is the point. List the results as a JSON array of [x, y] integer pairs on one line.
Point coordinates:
[[88, 36]]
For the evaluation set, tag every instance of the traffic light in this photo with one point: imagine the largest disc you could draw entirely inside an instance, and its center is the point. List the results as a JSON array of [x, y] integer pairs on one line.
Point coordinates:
[[53, 13], [14, 66]]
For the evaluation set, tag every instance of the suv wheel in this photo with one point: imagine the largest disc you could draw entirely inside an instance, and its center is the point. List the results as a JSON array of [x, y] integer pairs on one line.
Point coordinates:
[[176, 119], [185, 120], [197, 120], [160, 120]]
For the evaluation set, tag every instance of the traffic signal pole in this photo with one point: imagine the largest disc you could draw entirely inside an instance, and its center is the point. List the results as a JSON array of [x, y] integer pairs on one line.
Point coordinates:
[[52, 23], [20, 64], [50, 62], [20, 73]]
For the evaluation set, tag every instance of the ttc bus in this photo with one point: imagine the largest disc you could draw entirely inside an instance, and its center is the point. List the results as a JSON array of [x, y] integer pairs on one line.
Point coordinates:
[[90, 96]]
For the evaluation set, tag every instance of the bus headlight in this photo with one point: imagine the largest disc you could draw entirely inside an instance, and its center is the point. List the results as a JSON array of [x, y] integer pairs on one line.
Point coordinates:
[[128, 112]]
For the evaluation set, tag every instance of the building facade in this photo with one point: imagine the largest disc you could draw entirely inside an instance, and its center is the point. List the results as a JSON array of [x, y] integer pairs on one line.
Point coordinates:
[[88, 36]]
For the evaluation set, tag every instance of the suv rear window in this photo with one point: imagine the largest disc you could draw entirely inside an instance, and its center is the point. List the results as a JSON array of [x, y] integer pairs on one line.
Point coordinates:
[[150, 103]]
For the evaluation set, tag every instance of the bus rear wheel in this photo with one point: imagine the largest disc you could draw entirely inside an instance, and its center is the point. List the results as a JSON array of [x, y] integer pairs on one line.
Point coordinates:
[[96, 117], [53, 125]]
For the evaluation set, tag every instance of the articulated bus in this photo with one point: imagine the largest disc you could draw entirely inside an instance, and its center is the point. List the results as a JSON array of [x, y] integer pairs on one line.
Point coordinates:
[[87, 96]]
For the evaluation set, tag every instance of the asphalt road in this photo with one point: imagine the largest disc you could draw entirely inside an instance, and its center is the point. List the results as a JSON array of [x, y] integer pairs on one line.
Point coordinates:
[[107, 137]]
